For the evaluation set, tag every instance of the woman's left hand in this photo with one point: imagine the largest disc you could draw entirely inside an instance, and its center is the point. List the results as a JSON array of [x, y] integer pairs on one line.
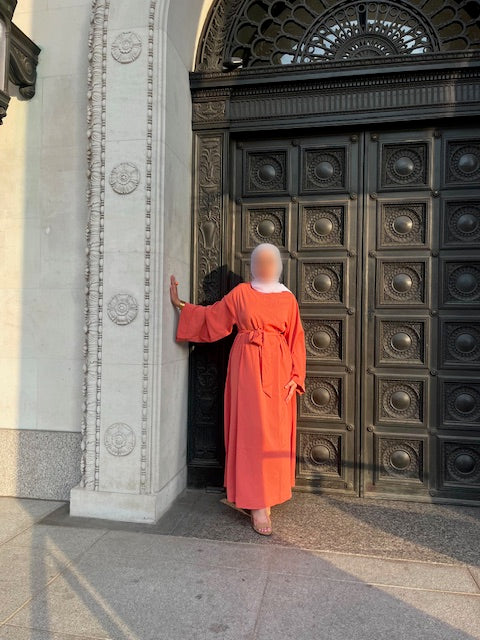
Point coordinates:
[[292, 387]]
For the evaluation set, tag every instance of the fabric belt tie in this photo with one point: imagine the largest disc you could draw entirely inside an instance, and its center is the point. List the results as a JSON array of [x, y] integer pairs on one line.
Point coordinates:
[[257, 337]]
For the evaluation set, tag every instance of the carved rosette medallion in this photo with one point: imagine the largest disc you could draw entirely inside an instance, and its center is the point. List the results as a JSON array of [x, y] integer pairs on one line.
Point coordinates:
[[125, 178], [403, 283], [126, 47], [463, 282], [323, 339], [463, 223], [403, 224], [401, 400], [404, 165], [402, 342], [320, 454], [463, 342], [464, 161], [122, 309], [323, 283], [462, 402], [462, 463], [401, 459], [322, 397], [119, 439]]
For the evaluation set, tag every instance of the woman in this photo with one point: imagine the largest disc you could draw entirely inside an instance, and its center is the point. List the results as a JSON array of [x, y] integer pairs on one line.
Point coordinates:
[[266, 369]]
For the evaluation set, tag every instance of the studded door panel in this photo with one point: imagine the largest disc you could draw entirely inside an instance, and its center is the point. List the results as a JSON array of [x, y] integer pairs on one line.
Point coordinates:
[[380, 239], [302, 196], [421, 410], [457, 451]]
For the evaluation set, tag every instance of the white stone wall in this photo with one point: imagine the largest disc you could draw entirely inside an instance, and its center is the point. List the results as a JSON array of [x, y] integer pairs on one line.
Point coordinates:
[[42, 220], [44, 212]]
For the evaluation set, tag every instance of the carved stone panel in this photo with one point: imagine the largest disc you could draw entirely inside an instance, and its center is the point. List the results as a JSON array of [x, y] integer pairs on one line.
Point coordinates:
[[463, 162], [209, 217], [323, 283], [461, 463], [460, 343], [461, 283], [401, 342], [402, 225], [400, 401], [322, 399], [324, 170], [401, 283], [324, 339], [322, 226], [266, 172], [264, 224], [404, 165], [460, 403], [400, 459], [319, 454], [461, 224]]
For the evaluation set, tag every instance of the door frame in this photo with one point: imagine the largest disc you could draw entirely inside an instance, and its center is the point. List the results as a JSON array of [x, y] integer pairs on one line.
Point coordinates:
[[338, 95]]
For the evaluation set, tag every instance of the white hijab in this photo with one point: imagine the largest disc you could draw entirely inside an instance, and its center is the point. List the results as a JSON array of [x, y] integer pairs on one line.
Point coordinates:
[[275, 286]]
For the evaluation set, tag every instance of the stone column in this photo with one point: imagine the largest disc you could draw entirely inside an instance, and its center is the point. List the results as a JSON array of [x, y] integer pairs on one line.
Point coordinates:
[[135, 388]]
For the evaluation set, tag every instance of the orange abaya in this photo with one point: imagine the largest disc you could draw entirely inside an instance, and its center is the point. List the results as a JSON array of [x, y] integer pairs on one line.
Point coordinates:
[[260, 426]]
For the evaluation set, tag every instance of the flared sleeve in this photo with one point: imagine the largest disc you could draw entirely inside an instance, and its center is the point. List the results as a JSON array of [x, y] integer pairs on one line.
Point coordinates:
[[209, 323], [295, 337]]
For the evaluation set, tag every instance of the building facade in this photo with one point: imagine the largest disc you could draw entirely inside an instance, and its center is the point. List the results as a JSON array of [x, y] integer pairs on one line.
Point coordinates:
[[346, 133]]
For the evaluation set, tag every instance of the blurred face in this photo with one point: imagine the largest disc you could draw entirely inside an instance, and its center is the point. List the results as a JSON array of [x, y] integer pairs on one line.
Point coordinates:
[[266, 266]]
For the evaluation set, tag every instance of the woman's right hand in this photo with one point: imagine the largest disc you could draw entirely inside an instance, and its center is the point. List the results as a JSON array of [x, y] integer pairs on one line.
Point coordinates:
[[174, 292]]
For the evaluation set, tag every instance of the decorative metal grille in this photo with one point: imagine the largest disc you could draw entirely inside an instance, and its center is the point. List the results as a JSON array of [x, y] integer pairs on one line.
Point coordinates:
[[273, 32]]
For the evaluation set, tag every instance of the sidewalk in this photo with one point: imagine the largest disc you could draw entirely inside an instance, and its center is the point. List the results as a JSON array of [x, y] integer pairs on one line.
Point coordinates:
[[336, 569]]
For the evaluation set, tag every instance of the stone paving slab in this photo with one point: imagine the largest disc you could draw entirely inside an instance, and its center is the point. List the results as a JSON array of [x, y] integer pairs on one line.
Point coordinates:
[[377, 571], [304, 608], [62, 542], [79, 579], [9, 632], [124, 599]]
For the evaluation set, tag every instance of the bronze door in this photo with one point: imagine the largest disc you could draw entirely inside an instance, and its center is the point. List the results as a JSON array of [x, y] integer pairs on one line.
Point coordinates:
[[380, 235]]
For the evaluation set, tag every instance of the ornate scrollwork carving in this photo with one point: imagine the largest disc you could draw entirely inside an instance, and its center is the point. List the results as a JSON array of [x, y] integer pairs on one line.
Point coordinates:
[[271, 33], [209, 214], [211, 111], [23, 62]]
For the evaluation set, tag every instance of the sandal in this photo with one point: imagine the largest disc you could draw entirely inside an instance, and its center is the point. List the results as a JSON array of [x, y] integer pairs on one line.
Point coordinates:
[[263, 531]]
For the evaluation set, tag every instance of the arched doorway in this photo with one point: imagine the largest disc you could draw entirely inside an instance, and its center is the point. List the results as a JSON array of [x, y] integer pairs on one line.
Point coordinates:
[[345, 134]]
